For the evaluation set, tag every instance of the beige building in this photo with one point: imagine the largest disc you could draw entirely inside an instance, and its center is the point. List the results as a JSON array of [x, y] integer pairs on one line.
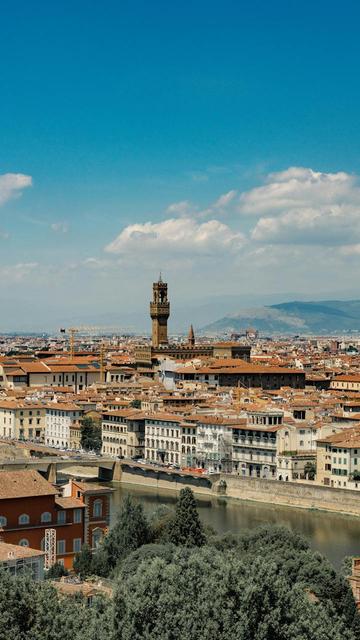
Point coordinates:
[[123, 433], [346, 382], [338, 459], [22, 420], [76, 374]]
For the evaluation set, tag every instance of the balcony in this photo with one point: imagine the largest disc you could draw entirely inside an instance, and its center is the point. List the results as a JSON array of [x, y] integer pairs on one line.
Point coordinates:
[[254, 443]]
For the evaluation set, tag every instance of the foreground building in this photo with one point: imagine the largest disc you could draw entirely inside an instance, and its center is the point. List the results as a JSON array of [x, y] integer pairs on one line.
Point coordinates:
[[33, 510], [16, 559]]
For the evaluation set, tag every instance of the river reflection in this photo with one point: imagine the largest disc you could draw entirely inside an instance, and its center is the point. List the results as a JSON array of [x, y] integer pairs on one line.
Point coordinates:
[[332, 534]]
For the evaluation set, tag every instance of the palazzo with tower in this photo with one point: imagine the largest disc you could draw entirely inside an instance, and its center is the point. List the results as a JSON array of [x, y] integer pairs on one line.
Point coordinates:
[[160, 346]]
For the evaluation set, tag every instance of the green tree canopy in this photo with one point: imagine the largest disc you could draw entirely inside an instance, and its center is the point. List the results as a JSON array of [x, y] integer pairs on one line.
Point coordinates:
[[90, 434], [130, 531], [186, 529], [210, 594], [83, 563]]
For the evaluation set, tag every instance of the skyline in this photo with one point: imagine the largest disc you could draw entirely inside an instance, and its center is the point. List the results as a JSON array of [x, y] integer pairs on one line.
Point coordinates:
[[184, 141]]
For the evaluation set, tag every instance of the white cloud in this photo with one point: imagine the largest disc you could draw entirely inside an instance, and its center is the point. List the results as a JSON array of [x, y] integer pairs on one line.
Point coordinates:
[[176, 236], [18, 272], [303, 206], [225, 199], [183, 208], [60, 227], [11, 185], [298, 187]]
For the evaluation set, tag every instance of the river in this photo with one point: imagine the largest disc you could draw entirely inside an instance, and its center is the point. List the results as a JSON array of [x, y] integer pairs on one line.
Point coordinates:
[[334, 535]]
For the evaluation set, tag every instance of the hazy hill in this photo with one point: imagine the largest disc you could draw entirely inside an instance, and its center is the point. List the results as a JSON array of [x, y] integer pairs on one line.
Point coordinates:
[[328, 316]]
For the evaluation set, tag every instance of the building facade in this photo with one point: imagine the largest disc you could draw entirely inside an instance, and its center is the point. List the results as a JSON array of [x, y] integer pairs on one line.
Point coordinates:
[[63, 425]]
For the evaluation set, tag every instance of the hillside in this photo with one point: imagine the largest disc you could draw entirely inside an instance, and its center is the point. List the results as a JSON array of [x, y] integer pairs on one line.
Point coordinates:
[[325, 317]]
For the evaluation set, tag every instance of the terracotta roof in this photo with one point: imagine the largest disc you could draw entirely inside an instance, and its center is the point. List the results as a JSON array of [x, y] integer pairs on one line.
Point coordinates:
[[10, 552], [88, 487], [24, 484], [69, 503]]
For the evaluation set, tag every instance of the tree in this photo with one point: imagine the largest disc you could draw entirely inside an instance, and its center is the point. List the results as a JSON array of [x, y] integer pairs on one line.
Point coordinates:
[[33, 611], [211, 594], [90, 434], [136, 404], [56, 571], [186, 528], [130, 531], [83, 563]]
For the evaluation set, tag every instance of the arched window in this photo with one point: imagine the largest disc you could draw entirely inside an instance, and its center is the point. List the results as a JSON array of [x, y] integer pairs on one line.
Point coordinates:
[[24, 543], [3, 521], [97, 536], [24, 518], [97, 508], [46, 516]]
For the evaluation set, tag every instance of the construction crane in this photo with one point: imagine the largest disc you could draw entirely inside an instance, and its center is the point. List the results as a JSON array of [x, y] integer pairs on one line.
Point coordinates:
[[72, 331]]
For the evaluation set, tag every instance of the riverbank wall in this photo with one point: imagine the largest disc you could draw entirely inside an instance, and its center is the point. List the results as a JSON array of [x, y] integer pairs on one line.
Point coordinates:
[[165, 480], [289, 494]]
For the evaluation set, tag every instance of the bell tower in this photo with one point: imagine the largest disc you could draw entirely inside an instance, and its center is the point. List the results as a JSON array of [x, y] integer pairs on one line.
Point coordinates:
[[159, 313]]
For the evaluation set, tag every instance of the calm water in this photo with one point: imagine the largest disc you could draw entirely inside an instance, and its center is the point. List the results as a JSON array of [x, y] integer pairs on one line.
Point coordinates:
[[334, 535]]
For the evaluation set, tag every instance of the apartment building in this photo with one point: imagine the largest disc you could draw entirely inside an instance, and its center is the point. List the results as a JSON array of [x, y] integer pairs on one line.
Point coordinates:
[[123, 433], [348, 382], [188, 444], [22, 420], [76, 374], [214, 443], [254, 445], [62, 425], [338, 459], [163, 438]]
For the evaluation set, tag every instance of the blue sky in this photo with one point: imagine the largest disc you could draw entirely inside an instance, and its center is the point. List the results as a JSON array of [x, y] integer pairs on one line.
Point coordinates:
[[116, 112]]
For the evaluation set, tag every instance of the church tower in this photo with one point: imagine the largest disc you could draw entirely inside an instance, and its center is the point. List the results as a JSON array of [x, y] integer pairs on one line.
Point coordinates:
[[159, 312], [191, 337]]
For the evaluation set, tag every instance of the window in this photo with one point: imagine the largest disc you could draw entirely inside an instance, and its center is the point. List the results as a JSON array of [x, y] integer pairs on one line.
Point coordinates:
[[77, 545], [46, 516], [97, 537], [77, 516], [24, 543], [60, 547], [97, 509], [61, 517], [3, 521], [24, 519]]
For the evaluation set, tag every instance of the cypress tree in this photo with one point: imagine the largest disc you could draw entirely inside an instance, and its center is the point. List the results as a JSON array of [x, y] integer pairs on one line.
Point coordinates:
[[186, 528]]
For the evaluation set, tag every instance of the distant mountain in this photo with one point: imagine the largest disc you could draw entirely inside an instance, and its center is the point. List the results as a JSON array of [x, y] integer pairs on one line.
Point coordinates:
[[320, 318]]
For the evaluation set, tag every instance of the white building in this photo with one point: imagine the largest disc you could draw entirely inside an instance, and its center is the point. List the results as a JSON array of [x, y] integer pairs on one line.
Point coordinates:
[[214, 443], [59, 420], [163, 437]]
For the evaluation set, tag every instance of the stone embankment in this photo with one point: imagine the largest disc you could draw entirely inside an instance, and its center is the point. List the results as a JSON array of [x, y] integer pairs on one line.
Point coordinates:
[[289, 494]]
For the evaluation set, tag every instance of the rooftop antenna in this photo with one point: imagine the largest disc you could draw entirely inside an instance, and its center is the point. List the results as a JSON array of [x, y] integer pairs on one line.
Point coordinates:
[[160, 277]]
